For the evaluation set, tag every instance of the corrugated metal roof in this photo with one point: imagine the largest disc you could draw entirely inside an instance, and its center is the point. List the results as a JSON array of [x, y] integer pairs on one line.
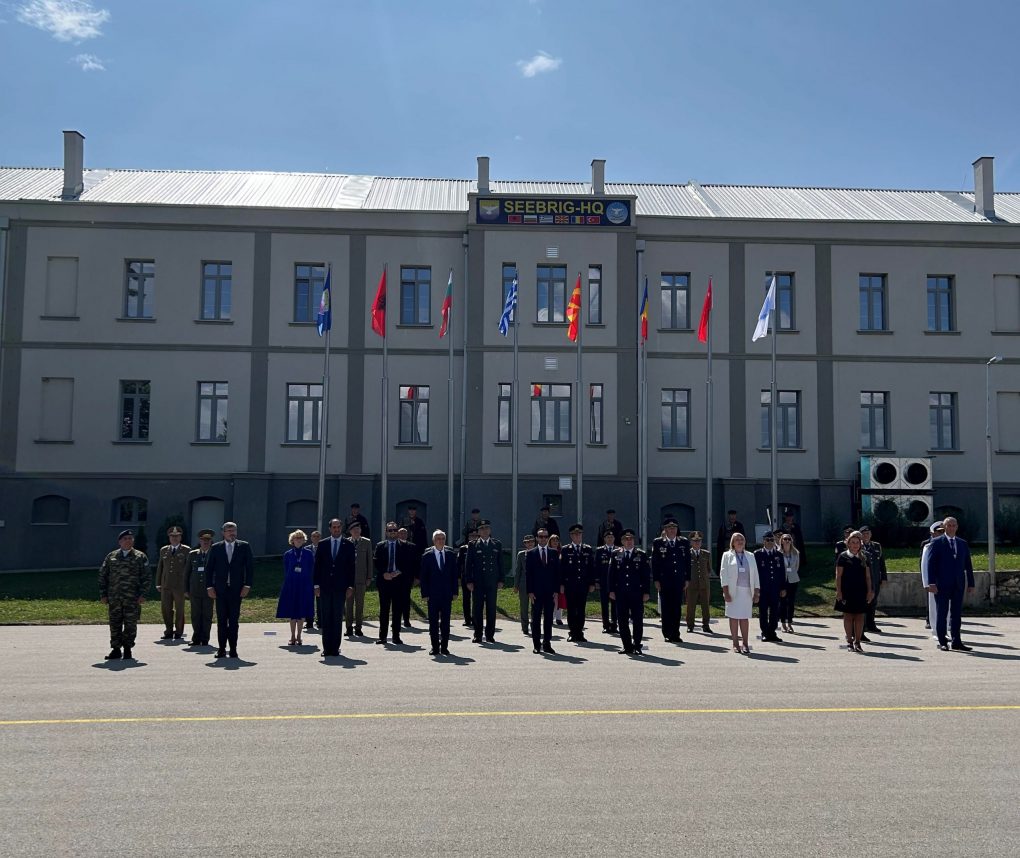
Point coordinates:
[[334, 191]]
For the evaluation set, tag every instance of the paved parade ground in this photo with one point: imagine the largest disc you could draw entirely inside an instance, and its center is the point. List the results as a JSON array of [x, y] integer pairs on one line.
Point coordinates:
[[799, 749]]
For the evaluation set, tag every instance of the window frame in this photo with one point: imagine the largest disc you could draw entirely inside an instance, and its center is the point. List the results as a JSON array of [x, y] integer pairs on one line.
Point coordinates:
[[302, 417], [938, 410], [786, 283], [145, 294], [875, 412], [596, 413], [782, 424], [417, 285], [540, 429], [141, 411], [674, 407], [308, 286], [222, 283], [867, 291], [139, 511], [936, 323], [214, 398], [504, 401], [556, 291], [669, 284], [594, 293], [413, 405]]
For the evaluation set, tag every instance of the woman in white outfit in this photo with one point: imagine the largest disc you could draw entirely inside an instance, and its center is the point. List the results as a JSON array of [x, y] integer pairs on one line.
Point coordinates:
[[738, 574]]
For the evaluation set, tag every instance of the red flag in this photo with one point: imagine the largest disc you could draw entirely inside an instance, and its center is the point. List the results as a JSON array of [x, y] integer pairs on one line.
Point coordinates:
[[706, 311], [379, 307], [447, 303], [536, 390], [574, 311]]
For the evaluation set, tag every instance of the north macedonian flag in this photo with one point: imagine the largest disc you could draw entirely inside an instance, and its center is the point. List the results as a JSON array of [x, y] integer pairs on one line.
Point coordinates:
[[574, 312]]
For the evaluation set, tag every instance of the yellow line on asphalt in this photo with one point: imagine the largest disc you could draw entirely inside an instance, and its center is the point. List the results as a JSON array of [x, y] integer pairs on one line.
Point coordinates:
[[510, 713]]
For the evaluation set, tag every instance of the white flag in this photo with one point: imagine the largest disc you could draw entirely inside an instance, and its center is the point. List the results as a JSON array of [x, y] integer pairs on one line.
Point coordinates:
[[762, 328]]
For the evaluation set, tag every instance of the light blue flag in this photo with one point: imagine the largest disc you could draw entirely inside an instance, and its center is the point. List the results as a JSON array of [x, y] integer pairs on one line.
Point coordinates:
[[508, 309], [762, 328], [324, 320]]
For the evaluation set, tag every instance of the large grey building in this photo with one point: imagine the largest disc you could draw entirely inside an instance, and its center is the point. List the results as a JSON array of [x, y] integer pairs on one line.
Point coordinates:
[[160, 357]]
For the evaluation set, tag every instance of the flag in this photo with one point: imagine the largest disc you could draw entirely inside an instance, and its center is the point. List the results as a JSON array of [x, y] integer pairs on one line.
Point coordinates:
[[324, 320], [762, 328], [706, 311], [447, 303], [644, 312], [508, 308], [536, 390], [379, 307], [574, 312]]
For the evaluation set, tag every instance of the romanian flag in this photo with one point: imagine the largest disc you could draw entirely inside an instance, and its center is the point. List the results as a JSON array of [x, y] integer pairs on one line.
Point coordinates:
[[644, 312], [574, 312], [379, 307], [706, 311], [447, 303]]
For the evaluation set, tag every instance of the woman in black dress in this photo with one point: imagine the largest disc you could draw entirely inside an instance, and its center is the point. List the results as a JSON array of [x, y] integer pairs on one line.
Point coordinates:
[[853, 590]]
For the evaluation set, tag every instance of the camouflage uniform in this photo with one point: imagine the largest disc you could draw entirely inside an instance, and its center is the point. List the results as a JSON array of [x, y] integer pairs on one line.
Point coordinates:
[[121, 581]]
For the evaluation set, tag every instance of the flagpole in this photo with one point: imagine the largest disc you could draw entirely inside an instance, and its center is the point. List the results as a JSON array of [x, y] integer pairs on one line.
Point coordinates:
[[324, 421], [463, 389], [580, 417], [709, 419], [775, 413], [384, 481], [449, 421], [514, 462], [642, 422]]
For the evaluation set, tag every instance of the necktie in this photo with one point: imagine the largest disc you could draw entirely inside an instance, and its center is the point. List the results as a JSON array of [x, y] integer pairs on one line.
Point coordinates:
[[543, 557], [335, 546], [952, 544], [173, 551], [230, 552], [392, 552], [439, 557]]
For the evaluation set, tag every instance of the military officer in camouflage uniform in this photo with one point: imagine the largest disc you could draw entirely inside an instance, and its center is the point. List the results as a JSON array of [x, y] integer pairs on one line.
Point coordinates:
[[485, 579], [171, 581], [577, 580], [202, 607], [123, 582]]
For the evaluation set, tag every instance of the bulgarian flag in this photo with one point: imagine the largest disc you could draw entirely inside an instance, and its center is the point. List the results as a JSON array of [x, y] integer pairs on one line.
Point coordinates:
[[644, 312], [706, 311], [574, 312], [379, 307], [447, 303]]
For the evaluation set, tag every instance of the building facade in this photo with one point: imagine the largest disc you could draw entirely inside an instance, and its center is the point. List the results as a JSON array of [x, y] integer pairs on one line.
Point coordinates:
[[160, 355]]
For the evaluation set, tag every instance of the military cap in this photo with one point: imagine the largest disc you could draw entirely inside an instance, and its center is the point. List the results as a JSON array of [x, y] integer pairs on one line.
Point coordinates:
[[696, 534], [627, 532], [355, 506], [471, 530], [577, 528], [174, 528], [864, 529], [543, 509], [484, 522], [613, 511], [206, 532], [670, 522], [476, 509], [768, 534], [787, 511], [936, 527], [354, 524], [124, 533]]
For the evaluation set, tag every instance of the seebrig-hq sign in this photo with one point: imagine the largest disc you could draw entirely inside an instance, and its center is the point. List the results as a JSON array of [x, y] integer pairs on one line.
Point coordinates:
[[553, 211]]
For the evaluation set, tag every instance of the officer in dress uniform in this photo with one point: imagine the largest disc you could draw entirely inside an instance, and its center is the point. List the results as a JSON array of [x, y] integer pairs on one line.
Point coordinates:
[[202, 607], [671, 570], [699, 590], [123, 583], [772, 575], [171, 582], [485, 579], [354, 612], [521, 582], [542, 572], [876, 562], [628, 587], [603, 560], [470, 536], [577, 580]]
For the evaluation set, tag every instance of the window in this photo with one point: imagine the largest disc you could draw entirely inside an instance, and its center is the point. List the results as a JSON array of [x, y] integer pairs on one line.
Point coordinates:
[[504, 431], [594, 294], [309, 281], [414, 414], [942, 421], [787, 419], [676, 418], [1007, 412], [595, 410], [61, 286], [304, 413], [509, 275], [134, 411], [874, 420], [51, 509], [676, 303], [940, 304], [217, 278], [551, 284], [1007, 302], [129, 511], [56, 409], [415, 296], [871, 291], [784, 298], [550, 413], [212, 411], [138, 296]]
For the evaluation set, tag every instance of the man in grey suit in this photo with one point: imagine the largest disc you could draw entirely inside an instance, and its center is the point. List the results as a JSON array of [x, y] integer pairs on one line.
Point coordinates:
[[228, 579], [355, 610]]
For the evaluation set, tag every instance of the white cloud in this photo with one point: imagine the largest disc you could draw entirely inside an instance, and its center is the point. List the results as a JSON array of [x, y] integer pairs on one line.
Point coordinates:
[[539, 64], [65, 20], [89, 62]]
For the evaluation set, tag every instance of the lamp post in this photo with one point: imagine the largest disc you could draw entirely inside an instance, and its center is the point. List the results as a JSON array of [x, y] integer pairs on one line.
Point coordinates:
[[988, 476]]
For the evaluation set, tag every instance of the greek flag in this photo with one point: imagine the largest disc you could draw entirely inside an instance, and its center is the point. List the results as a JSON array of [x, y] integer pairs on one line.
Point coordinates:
[[508, 309], [762, 328]]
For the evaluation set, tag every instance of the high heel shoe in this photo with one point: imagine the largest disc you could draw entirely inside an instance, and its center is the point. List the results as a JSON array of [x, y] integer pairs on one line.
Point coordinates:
[[293, 641]]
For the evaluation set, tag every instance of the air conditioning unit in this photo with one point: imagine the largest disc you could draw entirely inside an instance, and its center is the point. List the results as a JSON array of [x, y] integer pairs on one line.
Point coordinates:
[[916, 474], [881, 473], [916, 509]]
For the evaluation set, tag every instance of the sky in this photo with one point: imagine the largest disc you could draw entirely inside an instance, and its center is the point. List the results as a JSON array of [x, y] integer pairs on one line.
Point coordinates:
[[870, 93]]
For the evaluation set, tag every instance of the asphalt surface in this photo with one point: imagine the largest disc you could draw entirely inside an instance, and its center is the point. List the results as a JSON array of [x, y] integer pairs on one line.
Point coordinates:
[[497, 751]]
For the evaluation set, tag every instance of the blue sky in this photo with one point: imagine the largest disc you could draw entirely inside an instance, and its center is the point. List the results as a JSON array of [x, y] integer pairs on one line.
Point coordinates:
[[873, 93]]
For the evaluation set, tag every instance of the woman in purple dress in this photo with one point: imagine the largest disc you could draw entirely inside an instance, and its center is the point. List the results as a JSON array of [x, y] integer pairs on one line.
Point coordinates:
[[297, 596]]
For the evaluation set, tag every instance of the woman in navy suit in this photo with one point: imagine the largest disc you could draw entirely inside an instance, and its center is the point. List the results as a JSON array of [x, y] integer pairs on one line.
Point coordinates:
[[297, 596]]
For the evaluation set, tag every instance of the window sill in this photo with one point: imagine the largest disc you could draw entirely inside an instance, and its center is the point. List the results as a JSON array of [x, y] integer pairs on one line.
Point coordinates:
[[149, 319], [595, 324], [944, 452], [880, 451], [941, 333], [875, 332], [125, 443], [312, 444], [52, 441], [674, 330], [49, 523], [61, 318], [783, 450], [594, 444], [426, 326], [302, 324], [210, 443], [502, 443], [412, 446], [214, 321], [676, 449], [549, 444], [1005, 333], [1007, 452], [549, 324]]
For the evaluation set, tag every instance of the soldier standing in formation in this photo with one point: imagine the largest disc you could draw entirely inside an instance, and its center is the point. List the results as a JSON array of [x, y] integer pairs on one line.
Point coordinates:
[[876, 562], [577, 580], [603, 559], [671, 570], [470, 525], [772, 576], [628, 587], [355, 610], [123, 582], [485, 579], [171, 582], [542, 571], [521, 581], [202, 606], [610, 525], [699, 590], [471, 536]]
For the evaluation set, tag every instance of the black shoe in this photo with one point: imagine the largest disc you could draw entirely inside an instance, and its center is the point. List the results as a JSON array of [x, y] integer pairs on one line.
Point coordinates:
[[221, 653], [927, 624], [357, 632], [944, 647], [309, 627], [865, 639], [381, 641], [527, 632], [469, 624], [875, 630], [690, 630], [433, 651], [548, 648], [774, 638], [178, 636], [349, 633], [708, 631], [537, 651], [476, 639], [127, 652], [397, 641], [167, 635], [233, 653], [559, 622], [627, 650], [570, 638], [114, 654], [638, 651], [490, 639], [444, 650], [580, 639], [959, 646], [613, 631]]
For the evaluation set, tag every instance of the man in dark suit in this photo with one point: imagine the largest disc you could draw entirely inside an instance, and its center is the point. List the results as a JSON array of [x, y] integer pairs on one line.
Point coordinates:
[[439, 576], [950, 573], [628, 587], [417, 535], [577, 580], [671, 570], [395, 561], [335, 562], [772, 575], [542, 570], [229, 576]]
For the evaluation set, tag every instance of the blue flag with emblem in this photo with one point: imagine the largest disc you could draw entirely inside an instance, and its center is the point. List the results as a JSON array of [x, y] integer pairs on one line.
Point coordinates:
[[324, 319], [508, 309]]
